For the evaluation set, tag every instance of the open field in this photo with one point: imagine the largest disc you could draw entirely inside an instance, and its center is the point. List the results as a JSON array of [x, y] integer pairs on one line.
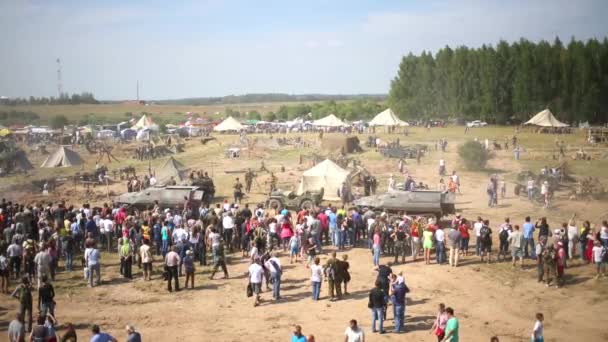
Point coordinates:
[[488, 299]]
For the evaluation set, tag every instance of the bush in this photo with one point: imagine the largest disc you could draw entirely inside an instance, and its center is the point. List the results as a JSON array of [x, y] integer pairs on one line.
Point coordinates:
[[474, 155]]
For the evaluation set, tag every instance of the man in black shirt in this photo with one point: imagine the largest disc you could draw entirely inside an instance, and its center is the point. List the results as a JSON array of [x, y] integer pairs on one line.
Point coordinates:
[[399, 238], [377, 302], [46, 295]]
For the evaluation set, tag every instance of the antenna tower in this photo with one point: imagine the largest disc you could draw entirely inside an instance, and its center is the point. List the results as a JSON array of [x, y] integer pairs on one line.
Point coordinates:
[[59, 85], [138, 91]]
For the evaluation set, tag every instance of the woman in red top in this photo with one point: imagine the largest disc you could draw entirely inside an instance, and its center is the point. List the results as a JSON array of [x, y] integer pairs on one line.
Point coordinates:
[[415, 239], [464, 228], [286, 233]]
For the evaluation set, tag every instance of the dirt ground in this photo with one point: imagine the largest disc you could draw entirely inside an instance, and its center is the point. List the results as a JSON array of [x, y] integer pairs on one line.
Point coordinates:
[[488, 299]]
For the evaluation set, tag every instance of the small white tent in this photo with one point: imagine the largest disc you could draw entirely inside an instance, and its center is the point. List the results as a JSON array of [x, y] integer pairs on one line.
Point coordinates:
[[387, 118], [545, 119], [145, 123], [230, 124], [327, 175], [62, 157], [329, 121]]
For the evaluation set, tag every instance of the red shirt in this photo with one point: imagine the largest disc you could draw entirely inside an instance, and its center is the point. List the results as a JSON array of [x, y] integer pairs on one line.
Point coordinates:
[[464, 231]]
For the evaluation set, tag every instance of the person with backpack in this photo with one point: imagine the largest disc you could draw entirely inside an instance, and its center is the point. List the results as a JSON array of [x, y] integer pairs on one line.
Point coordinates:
[[274, 265], [23, 292], [333, 274], [600, 257], [485, 239], [503, 235], [549, 257]]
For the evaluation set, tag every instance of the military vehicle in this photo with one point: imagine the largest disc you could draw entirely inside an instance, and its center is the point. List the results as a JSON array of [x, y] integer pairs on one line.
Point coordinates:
[[167, 197], [205, 184], [289, 199], [419, 202]]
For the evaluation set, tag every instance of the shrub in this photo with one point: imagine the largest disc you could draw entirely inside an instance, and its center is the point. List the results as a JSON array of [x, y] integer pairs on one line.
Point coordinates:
[[474, 155]]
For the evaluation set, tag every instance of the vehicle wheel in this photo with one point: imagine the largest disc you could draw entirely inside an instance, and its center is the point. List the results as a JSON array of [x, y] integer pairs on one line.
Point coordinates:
[[306, 204], [274, 203]]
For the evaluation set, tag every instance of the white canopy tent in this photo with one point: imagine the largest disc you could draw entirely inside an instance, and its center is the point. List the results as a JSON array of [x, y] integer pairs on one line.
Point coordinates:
[[387, 118], [229, 124], [329, 121], [545, 119], [145, 123], [327, 175]]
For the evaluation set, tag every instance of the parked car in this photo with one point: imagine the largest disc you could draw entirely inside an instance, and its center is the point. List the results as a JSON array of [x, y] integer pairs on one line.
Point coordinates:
[[477, 123]]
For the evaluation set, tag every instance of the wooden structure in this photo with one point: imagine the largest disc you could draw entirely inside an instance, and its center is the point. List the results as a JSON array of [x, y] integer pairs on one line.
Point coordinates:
[[597, 135]]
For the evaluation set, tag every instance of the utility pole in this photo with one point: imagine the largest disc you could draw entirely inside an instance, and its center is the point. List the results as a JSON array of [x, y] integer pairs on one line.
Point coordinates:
[[137, 90], [59, 85]]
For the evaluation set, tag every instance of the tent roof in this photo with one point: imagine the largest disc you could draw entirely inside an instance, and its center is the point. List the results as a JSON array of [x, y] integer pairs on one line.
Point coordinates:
[[327, 175], [144, 122], [545, 119], [329, 121], [324, 168], [229, 124], [172, 168], [387, 118], [62, 157]]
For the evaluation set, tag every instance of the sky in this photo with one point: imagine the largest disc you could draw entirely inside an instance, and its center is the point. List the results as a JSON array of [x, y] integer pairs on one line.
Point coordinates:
[[179, 49]]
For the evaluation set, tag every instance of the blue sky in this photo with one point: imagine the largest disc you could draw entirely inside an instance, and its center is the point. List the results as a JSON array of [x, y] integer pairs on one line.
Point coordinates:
[[180, 49]]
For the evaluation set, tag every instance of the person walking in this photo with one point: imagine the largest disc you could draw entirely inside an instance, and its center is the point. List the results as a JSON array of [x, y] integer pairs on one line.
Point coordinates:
[[334, 275], [377, 302], [454, 238], [451, 327], [438, 328], [600, 253], [504, 231], [274, 265], [189, 268], [316, 278], [172, 261], [93, 262], [516, 240], [132, 334], [353, 332], [528, 228], [46, 298], [23, 292], [255, 279], [538, 330], [16, 329], [219, 260]]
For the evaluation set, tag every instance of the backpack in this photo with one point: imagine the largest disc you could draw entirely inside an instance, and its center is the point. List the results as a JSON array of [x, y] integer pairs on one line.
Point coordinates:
[[276, 266], [604, 254], [3, 263], [484, 233], [504, 235]]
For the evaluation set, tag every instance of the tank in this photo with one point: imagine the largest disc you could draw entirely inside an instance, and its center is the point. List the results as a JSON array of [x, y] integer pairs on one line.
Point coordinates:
[[167, 197], [420, 202]]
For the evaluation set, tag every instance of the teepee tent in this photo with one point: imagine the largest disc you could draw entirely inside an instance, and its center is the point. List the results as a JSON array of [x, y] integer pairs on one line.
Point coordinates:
[[545, 119], [230, 124], [327, 175], [145, 123], [387, 118], [62, 157], [329, 121], [172, 168]]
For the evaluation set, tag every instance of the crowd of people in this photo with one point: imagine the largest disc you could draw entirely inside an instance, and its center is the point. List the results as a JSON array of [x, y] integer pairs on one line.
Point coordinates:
[[37, 238]]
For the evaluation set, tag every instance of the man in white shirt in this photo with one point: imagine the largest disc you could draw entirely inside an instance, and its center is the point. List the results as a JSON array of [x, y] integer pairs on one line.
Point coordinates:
[[152, 180], [353, 333], [456, 180], [440, 248], [92, 259], [228, 224], [572, 237], [441, 167], [530, 188], [108, 231], [255, 279], [477, 228], [274, 265]]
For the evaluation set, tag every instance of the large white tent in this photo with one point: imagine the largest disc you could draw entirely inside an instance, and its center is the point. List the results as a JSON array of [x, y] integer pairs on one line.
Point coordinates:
[[329, 121], [387, 118], [230, 124], [327, 175], [62, 157], [545, 119]]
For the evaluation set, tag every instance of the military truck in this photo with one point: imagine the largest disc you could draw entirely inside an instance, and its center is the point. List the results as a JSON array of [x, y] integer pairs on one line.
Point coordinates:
[[290, 200], [167, 197], [419, 202]]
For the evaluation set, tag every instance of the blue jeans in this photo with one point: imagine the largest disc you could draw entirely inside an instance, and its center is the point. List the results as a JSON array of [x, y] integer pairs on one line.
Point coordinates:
[[604, 242], [376, 258], [529, 243], [341, 239], [530, 194], [477, 246], [317, 238], [583, 250], [276, 285], [399, 313], [440, 252], [334, 236], [316, 290], [377, 315], [165, 248], [352, 237], [69, 260]]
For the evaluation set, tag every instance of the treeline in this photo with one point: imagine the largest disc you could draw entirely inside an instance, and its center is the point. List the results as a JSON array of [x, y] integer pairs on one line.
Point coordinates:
[[63, 99], [13, 117], [506, 83], [350, 110], [257, 98]]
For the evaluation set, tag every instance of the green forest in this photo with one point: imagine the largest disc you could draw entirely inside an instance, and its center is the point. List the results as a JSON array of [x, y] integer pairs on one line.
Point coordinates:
[[506, 83]]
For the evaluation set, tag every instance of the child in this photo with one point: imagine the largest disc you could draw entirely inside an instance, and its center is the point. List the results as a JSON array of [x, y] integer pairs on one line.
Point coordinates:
[[294, 247], [597, 258], [189, 264], [537, 333]]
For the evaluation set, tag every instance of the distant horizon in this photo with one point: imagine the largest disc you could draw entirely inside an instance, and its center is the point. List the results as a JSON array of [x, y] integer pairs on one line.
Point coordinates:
[[193, 49]]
